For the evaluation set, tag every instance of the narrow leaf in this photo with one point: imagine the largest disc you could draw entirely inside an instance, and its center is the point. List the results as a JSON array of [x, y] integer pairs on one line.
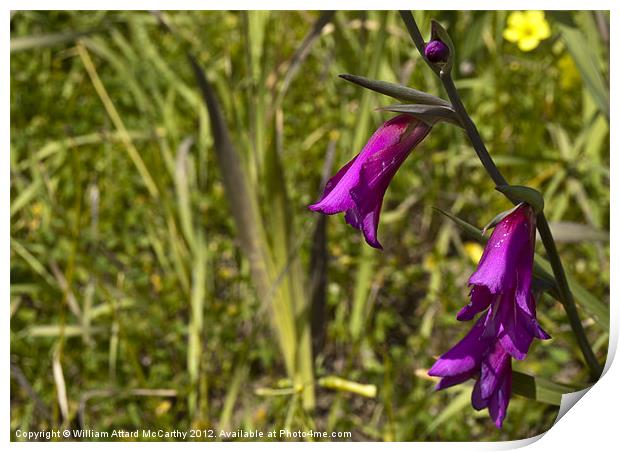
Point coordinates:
[[570, 232], [539, 389], [440, 33], [46, 40], [430, 114], [396, 91], [578, 47]]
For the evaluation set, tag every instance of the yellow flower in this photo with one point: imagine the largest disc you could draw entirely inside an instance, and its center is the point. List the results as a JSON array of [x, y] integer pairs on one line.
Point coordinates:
[[527, 29]]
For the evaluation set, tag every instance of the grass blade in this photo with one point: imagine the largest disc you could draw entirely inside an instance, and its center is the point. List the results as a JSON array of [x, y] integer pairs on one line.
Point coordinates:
[[250, 227], [46, 40], [118, 122], [582, 54]]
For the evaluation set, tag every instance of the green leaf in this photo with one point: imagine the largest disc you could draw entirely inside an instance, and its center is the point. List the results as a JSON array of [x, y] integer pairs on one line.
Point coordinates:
[[396, 91], [46, 40], [539, 389], [498, 218], [456, 406], [570, 232], [584, 299], [430, 114], [582, 54], [440, 33], [472, 231]]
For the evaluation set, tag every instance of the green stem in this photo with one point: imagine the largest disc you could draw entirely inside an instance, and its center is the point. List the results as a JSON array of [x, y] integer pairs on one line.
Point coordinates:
[[416, 36], [566, 295], [543, 227], [472, 130]]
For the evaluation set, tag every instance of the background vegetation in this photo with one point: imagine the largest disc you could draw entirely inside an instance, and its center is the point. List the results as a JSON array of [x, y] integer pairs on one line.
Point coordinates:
[[133, 301]]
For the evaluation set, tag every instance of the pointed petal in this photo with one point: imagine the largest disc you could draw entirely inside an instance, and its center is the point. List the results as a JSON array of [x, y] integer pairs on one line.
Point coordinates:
[[371, 224], [539, 332], [523, 270], [447, 382], [531, 322], [513, 333], [498, 403], [493, 370], [465, 356], [339, 201], [368, 224], [480, 299], [476, 398]]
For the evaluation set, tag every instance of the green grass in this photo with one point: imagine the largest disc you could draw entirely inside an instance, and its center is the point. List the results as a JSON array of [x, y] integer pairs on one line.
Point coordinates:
[[165, 277]]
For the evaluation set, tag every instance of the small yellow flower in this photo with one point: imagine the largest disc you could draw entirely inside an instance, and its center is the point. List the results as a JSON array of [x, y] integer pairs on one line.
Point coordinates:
[[527, 29]]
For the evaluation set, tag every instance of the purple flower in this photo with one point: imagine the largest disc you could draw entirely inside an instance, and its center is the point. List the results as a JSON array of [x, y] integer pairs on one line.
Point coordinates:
[[501, 285], [436, 51], [358, 187], [503, 282]]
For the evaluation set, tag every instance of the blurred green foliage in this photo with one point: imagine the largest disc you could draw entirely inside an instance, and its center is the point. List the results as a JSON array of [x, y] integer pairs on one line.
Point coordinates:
[[134, 307]]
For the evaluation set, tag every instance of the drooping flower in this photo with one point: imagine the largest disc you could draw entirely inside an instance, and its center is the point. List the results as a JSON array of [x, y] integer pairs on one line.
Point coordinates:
[[502, 287], [358, 187], [527, 29]]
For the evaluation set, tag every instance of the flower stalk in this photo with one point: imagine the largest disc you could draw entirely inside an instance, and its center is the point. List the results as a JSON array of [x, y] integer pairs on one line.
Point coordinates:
[[542, 225]]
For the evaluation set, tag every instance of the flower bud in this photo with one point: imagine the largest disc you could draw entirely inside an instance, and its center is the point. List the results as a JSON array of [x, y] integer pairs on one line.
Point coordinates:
[[436, 51]]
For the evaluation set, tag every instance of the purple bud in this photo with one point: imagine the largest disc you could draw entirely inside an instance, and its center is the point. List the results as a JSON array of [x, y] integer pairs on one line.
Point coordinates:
[[436, 51]]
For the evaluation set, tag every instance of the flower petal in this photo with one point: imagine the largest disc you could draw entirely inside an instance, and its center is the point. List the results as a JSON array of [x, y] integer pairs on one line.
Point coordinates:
[[510, 237], [498, 403], [375, 176], [523, 268], [531, 322], [465, 356], [358, 187], [513, 332], [340, 200], [493, 370], [480, 299], [367, 224], [476, 398], [336, 195], [447, 382]]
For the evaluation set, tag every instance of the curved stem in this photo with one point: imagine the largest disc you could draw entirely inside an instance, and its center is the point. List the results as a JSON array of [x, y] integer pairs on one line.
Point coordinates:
[[543, 226], [472, 130], [566, 295], [416, 36]]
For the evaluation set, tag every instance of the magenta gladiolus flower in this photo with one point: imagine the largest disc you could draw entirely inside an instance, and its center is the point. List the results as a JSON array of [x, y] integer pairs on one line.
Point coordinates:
[[358, 187], [501, 285]]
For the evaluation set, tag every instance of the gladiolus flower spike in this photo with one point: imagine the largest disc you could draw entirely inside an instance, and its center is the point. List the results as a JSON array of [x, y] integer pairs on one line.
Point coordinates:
[[501, 287], [358, 187]]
